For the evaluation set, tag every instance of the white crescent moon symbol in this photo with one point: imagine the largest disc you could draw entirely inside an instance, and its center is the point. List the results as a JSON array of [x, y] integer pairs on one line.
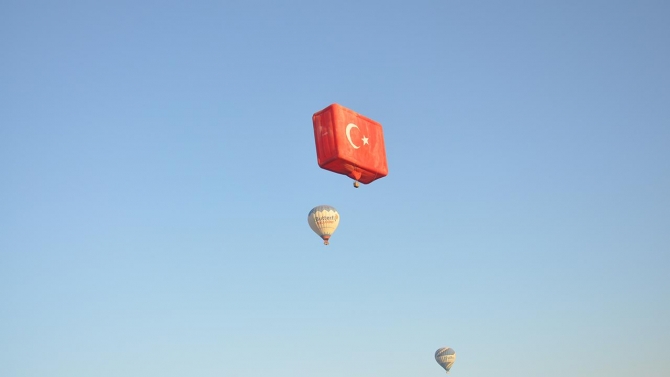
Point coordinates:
[[349, 127]]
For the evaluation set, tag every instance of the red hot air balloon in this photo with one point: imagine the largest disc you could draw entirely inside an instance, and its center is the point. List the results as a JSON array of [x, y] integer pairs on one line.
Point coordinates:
[[349, 143]]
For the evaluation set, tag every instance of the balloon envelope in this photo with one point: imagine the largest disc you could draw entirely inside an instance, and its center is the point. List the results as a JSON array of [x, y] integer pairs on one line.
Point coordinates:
[[349, 143], [323, 220], [445, 356]]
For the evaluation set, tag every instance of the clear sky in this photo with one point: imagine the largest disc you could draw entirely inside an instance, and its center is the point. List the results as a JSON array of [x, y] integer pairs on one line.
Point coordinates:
[[157, 165]]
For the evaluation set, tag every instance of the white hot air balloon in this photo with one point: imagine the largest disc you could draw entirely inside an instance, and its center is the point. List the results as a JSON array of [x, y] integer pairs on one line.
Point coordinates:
[[445, 356], [323, 220]]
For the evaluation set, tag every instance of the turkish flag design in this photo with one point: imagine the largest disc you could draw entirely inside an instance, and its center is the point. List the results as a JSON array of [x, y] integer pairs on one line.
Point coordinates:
[[349, 143]]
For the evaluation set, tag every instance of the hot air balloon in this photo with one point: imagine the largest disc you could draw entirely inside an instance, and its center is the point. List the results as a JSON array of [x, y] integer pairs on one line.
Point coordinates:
[[349, 143], [445, 356], [323, 220]]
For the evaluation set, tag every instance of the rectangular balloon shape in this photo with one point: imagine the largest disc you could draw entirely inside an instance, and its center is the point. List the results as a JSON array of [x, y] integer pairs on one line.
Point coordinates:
[[349, 143]]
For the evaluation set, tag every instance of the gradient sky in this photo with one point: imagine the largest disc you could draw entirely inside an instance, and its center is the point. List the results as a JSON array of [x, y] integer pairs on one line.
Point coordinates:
[[157, 165]]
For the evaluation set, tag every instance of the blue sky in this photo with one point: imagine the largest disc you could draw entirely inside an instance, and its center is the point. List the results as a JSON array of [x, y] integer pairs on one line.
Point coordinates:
[[157, 166]]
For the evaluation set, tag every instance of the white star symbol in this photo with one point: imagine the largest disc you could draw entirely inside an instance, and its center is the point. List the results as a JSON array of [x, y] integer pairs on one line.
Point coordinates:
[[365, 140]]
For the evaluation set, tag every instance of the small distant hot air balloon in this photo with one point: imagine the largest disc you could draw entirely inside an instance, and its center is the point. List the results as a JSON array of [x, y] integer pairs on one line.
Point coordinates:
[[323, 220], [445, 356]]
